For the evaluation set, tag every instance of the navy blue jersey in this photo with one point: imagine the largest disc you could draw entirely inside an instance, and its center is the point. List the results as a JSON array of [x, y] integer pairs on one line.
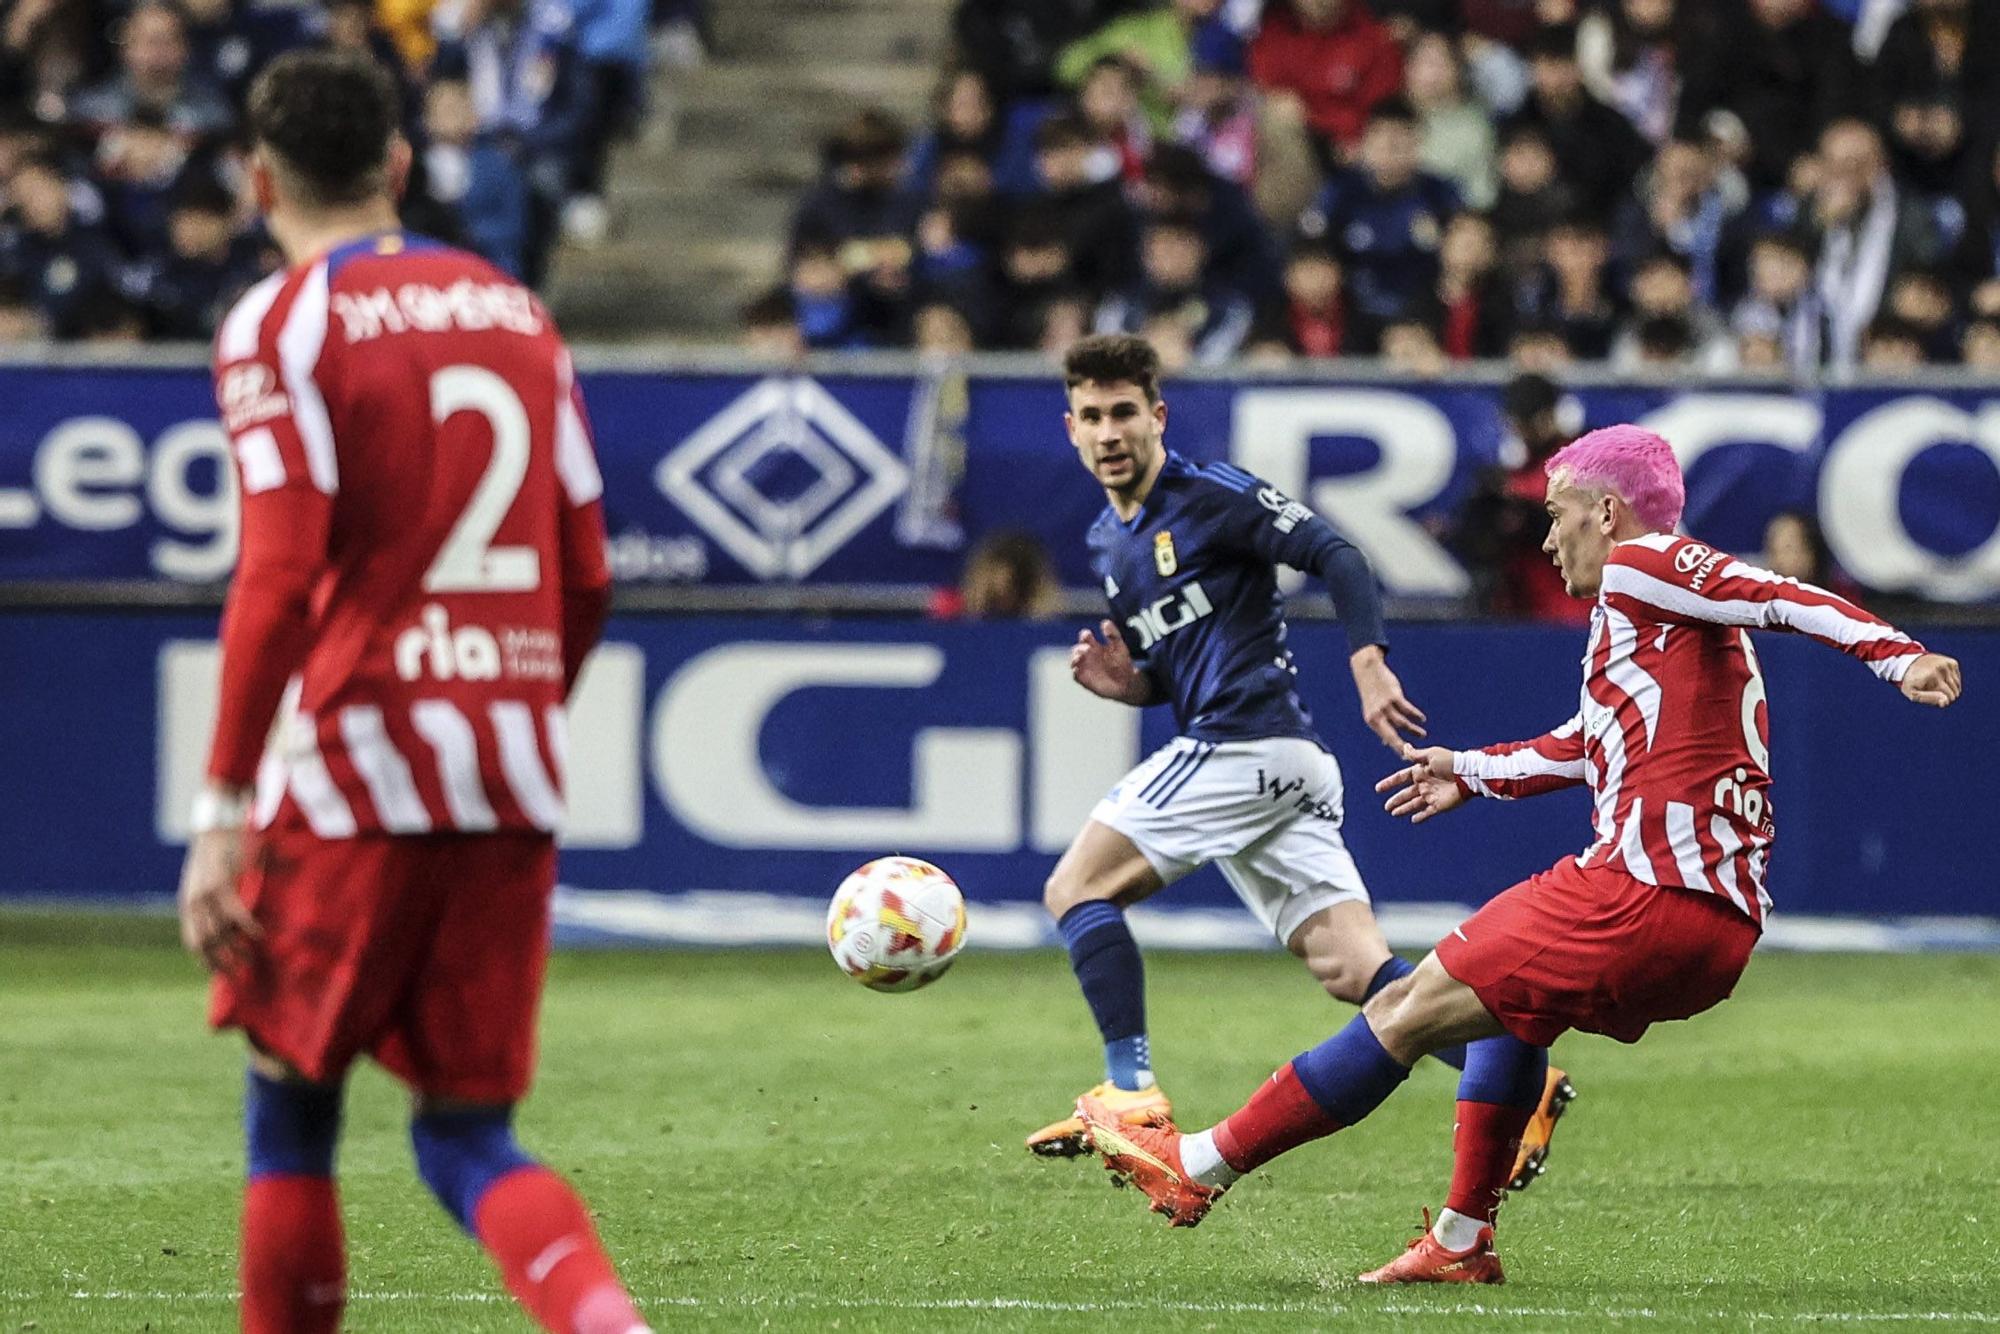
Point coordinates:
[[1193, 585]]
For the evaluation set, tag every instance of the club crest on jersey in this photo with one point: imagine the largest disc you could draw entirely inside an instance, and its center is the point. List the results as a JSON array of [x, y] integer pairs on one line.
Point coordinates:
[[1287, 513], [1164, 559]]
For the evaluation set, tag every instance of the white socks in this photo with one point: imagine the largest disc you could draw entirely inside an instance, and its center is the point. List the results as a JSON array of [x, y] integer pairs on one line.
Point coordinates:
[[1203, 1161], [1453, 1230]]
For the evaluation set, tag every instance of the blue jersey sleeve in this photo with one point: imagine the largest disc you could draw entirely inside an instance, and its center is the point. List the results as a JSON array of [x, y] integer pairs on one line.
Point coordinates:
[[1278, 529]]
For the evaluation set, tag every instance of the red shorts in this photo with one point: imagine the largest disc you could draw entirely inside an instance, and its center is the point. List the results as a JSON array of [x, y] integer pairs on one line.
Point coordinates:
[[1598, 951], [426, 953]]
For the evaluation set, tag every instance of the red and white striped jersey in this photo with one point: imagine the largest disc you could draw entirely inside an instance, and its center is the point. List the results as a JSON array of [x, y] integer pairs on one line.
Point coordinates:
[[1671, 734], [423, 562]]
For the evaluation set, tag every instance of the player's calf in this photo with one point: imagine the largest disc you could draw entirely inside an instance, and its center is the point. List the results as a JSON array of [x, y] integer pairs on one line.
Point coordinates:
[[294, 1258], [533, 1225]]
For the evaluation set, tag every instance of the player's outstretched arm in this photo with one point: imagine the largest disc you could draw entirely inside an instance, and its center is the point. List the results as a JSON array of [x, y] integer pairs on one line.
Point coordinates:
[[1933, 679], [1671, 580], [1425, 788], [1384, 707], [1105, 667]]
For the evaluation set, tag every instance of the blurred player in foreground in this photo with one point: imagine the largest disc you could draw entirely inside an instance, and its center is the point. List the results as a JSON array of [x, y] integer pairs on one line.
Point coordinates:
[[1189, 558], [1654, 921], [422, 575]]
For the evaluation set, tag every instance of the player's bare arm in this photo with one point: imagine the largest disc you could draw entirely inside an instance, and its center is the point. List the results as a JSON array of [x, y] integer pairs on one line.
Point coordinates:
[[1933, 680], [1423, 788], [215, 926], [1384, 707], [1105, 667]]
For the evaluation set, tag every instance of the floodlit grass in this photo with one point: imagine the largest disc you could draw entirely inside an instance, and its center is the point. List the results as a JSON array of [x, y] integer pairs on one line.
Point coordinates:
[[769, 1146]]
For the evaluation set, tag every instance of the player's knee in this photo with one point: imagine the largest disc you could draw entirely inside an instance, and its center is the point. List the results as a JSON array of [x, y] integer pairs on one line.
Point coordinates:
[[1064, 890], [461, 1154], [1341, 977]]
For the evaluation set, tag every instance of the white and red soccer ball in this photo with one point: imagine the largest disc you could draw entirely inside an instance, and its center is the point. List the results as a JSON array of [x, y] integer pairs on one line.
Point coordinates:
[[896, 924]]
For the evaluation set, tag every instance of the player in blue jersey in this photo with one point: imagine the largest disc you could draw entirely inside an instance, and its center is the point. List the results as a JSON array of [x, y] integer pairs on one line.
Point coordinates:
[[1188, 557]]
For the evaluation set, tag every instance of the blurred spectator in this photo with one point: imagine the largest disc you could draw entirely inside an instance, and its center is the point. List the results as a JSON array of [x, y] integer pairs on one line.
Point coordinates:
[[1693, 204], [350, 25], [611, 39], [1662, 343], [154, 80], [964, 119], [1472, 306], [1795, 548], [1499, 531], [1540, 348], [1570, 293], [47, 47], [1098, 225], [519, 61], [1008, 576], [1920, 299], [941, 329], [1334, 59], [771, 327], [861, 196], [207, 265], [1385, 219], [1629, 54], [1242, 252], [65, 263], [1979, 349], [476, 182], [1410, 344], [1014, 42], [1314, 312], [1107, 99], [1598, 153], [137, 163], [1781, 311], [1976, 258], [1218, 109], [1156, 44], [1892, 346], [1923, 57], [1036, 284], [1867, 231], [20, 322], [1214, 319], [1457, 131], [1662, 298], [1532, 198], [1782, 70]]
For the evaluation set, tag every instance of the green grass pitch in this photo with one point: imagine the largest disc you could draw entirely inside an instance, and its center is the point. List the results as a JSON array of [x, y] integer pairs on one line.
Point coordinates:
[[769, 1146]]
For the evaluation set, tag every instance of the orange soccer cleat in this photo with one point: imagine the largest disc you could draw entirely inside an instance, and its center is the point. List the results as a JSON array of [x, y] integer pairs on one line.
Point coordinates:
[[1134, 1107], [1557, 1094], [1149, 1157], [1425, 1260]]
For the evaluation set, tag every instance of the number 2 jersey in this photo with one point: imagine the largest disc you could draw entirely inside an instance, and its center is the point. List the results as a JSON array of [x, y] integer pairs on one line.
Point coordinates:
[[1672, 732], [423, 565]]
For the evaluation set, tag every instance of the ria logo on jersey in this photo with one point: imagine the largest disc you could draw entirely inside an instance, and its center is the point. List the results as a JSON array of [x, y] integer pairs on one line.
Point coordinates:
[[1170, 613], [437, 649]]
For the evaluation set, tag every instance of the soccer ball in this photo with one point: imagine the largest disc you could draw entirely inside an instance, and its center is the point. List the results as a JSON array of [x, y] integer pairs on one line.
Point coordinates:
[[896, 924]]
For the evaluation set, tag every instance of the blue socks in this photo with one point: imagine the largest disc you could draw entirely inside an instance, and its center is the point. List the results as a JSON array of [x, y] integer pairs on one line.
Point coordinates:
[[1106, 961], [290, 1129], [1396, 966], [461, 1154], [1505, 1071], [1350, 1073]]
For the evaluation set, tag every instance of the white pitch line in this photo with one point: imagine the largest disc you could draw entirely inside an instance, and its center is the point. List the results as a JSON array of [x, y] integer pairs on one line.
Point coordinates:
[[1041, 1306]]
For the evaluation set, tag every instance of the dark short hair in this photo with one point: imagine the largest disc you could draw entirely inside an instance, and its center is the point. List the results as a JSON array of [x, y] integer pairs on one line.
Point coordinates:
[[328, 117], [1396, 110], [1061, 132], [1113, 359]]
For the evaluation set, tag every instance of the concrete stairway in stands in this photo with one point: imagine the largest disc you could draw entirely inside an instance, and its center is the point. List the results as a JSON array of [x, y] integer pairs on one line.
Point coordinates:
[[701, 201]]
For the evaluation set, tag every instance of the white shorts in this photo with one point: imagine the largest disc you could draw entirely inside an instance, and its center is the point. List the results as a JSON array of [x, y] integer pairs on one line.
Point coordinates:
[[1267, 812]]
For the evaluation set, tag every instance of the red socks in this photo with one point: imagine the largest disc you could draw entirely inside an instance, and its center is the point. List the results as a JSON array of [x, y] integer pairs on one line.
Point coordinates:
[[1484, 1146], [539, 1233], [294, 1269], [1279, 1117]]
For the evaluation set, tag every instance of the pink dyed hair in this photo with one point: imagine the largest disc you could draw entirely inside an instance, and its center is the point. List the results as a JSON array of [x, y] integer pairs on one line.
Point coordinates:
[[1629, 462]]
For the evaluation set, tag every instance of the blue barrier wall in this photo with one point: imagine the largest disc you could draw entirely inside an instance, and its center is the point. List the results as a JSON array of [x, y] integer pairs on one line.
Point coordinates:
[[112, 473], [776, 754]]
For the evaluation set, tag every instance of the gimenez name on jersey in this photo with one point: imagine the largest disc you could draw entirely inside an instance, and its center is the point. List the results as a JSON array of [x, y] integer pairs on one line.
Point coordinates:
[[422, 308]]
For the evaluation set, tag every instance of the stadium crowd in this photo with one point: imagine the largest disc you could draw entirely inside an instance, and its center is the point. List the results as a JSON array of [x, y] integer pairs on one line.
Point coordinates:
[[1776, 186], [127, 210]]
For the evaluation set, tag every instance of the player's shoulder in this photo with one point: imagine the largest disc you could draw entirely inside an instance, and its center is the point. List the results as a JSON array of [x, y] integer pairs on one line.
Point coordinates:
[[1227, 488], [241, 332], [402, 282], [1667, 558]]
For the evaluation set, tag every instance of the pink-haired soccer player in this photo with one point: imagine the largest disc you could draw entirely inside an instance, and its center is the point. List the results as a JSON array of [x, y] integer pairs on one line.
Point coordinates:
[[1655, 920]]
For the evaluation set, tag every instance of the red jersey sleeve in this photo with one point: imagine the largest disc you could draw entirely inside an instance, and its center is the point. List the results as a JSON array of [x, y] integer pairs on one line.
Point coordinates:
[[586, 575], [1674, 581], [286, 475], [1547, 763]]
